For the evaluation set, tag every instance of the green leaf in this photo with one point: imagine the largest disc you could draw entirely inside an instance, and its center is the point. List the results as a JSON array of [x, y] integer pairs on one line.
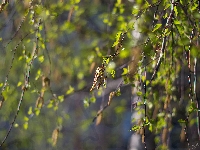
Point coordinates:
[[41, 59], [156, 27], [38, 74], [118, 93], [181, 121], [38, 9], [70, 90], [195, 51], [135, 10], [37, 111], [20, 57], [50, 105], [126, 80], [124, 53], [26, 118], [98, 51], [135, 128], [106, 60], [143, 78], [117, 38], [60, 120], [61, 98], [175, 10], [113, 73], [55, 108], [139, 93], [93, 99], [167, 6], [86, 102], [25, 125], [16, 125], [177, 22], [125, 71], [19, 83], [5, 94], [30, 111], [151, 127]]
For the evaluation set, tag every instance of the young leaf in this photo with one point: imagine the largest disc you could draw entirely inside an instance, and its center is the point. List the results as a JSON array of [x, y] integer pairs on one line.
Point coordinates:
[[156, 27]]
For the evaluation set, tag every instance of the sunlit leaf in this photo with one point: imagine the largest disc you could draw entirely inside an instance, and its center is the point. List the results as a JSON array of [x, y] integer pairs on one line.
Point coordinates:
[[181, 121], [113, 73], [93, 99], [16, 125], [37, 111], [61, 98], [118, 35], [70, 90], [30, 111], [19, 83], [125, 71], [139, 93], [25, 125], [41, 59], [26, 118], [175, 10], [135, 128], [156, 27]]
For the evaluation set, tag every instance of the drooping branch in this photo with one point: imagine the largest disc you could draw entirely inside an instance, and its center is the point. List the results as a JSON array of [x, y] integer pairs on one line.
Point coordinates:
[[164, 40], [20, 25], [26, 84], [11, 65]]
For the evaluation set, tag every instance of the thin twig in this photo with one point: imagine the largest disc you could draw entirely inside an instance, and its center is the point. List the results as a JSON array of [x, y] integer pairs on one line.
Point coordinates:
[[164, 41], [145, 99], [20, 25], [24, 88], [108, 104], [47, 51], [11, 65]]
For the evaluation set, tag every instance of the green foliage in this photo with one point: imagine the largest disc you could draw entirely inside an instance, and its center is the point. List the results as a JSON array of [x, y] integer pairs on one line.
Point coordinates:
[[50, 51]]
